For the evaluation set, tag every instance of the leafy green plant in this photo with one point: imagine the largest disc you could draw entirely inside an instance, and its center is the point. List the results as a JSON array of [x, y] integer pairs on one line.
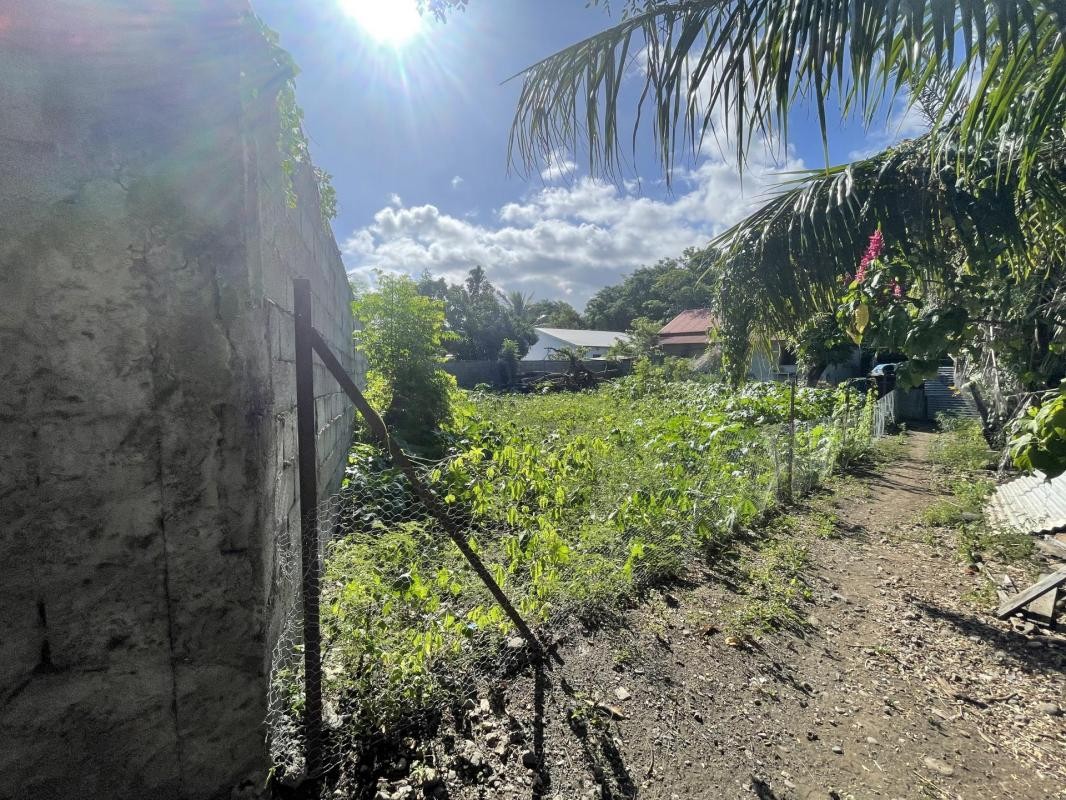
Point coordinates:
[[576, 502], [292, 141], [1039, 440], [403, 336]]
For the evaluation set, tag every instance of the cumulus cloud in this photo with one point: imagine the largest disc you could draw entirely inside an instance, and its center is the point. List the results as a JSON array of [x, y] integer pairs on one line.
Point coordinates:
[[559, 166], [457, 181], [565, 241]]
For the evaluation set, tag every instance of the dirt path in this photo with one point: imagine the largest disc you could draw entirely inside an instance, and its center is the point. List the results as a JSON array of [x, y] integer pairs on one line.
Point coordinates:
[[892, 684]]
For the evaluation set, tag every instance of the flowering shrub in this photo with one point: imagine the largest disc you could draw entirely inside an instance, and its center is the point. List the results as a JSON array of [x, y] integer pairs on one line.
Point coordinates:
[[874, 298]]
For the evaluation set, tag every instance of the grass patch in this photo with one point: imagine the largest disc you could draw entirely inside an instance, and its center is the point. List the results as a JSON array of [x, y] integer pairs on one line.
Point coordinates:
[[976, 543], [775, 588], [960, 446], [889, 448], [983, 596], [826, 525]]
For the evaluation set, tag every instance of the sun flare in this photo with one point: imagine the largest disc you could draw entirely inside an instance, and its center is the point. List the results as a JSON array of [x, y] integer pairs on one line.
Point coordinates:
[[393, 22]]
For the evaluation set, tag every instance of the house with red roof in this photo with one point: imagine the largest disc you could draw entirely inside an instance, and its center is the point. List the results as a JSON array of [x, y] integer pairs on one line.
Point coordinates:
[[688, 334]]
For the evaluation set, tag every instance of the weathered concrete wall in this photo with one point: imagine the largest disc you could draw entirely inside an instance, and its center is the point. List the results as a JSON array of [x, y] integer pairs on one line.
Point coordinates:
[[147, 466]]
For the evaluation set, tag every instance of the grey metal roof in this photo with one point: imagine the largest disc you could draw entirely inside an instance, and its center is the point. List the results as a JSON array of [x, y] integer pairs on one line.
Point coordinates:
[[580, 338], [1030, 504]]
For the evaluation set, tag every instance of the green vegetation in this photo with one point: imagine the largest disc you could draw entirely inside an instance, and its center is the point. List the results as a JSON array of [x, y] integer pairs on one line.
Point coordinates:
[[819, 344], [775, 586], [967, 214], [480, 317], [961, 446], [977, 543], [961, 453], [576, 502], [968, 497], [889, 448], [292, 141], [657, 293], [402, 337], [555, 314], [1040, 436]]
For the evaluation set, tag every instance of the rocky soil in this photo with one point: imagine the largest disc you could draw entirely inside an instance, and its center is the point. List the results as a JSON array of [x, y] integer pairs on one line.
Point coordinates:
[[894, 681]]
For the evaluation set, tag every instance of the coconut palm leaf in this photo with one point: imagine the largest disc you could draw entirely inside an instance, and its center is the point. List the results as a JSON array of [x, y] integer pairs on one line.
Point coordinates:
[[800, 246], [736, 68]]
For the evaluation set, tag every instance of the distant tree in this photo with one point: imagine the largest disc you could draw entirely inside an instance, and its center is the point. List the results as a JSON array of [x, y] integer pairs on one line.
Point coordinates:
[[477, 315], [819, 344], [403, 337], [658, 292], [517, 305], [555, 314], [643, 341], [509, 362]]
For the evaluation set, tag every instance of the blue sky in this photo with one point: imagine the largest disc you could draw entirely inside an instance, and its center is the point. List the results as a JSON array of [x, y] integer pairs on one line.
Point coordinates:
[[416, 139]]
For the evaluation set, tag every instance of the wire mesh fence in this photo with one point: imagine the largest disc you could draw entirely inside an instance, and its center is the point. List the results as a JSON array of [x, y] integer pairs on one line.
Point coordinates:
[[408, 626]]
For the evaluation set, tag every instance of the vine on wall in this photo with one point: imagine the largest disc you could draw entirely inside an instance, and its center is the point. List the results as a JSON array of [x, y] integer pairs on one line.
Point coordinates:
[[292, 141]]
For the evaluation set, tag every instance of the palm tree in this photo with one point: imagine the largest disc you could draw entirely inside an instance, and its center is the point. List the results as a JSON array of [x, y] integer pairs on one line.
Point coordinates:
[[518, 303], [741, 65], [977, 201]]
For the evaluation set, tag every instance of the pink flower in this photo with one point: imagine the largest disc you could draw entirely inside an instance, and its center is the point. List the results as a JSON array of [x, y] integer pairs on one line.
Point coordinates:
[[873, 252], [876, 246], [860, 273], [897, 289]]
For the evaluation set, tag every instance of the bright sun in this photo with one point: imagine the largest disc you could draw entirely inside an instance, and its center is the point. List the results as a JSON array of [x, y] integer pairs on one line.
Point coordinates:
[[391, 22]]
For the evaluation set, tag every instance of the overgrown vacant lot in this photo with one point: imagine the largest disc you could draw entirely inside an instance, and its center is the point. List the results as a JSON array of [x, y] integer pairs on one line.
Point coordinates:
[[885, 675], [577, 503]]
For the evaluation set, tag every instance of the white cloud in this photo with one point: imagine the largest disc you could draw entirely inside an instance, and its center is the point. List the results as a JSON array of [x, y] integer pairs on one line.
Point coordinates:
[[558, 166], [564, 241], [457, 181], [395, 200]]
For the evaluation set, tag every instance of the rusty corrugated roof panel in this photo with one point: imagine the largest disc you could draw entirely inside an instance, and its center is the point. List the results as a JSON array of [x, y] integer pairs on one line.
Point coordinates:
[[687, 338], [693, 321], [1030, 504]]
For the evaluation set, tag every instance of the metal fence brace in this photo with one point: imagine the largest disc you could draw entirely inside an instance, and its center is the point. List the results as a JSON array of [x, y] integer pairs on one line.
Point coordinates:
[[308, 343]]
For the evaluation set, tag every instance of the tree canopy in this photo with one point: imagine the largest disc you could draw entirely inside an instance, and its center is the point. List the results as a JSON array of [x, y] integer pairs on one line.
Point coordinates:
[[657, 293], [403, 337], [967, 218], [479, 316]]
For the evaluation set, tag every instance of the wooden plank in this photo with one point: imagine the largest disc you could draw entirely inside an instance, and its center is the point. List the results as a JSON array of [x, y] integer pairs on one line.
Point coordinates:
[[1042, 610], [1052, 546], [1039, 588]]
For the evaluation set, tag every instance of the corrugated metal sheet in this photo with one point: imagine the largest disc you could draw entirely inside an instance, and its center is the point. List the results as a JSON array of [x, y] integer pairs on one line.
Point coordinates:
[[694, 321], [1031, 504], [581, 338], [688, 338]]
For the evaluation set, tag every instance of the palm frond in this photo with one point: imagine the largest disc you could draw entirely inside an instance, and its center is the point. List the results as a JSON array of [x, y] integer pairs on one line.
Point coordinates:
[[799, 246], [735, 68]]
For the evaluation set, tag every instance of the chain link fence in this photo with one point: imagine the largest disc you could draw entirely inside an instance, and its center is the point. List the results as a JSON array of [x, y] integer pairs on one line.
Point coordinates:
[[408, 627]]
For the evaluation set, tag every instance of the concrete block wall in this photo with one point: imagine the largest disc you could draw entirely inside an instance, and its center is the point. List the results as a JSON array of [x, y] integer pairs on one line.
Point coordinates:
[[148, 463]]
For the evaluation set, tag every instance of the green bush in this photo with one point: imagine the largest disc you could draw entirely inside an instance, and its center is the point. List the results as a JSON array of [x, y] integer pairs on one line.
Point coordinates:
[[403, 337]]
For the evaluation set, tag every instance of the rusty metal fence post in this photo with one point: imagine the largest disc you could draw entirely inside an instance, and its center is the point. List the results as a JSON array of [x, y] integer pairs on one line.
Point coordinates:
[[310, 343], [309, 586]]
